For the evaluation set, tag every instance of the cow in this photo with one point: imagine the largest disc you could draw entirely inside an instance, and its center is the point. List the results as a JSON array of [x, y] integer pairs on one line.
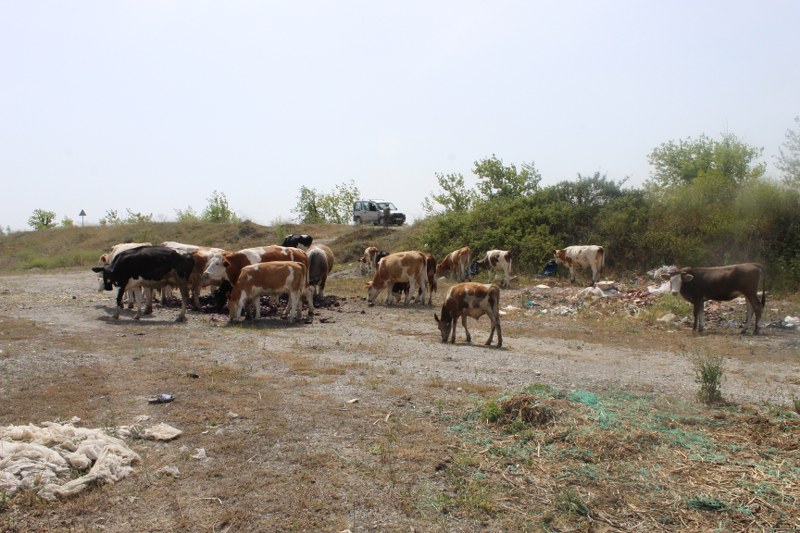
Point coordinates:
[[458, 261], [399, 289], [268, 279], [320, 264], [228, 267], [369, 260], [202, 255], [588, 256], [298, 240], [723, 283], [497, 260], [395, 268], [470, 299], [107, 258], [150, 267]]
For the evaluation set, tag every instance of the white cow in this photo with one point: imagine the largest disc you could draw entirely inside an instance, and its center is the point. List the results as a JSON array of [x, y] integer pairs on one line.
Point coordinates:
[[497, 260], [588, 256]]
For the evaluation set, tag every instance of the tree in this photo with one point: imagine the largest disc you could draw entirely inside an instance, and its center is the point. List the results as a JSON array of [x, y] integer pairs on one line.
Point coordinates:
[[41, 219], [454, 195], [505, 182], [111, 218], [67, 222], [789, 160], [335, 207], [217, 209], [187, 215], [681, 163], [137, 218]]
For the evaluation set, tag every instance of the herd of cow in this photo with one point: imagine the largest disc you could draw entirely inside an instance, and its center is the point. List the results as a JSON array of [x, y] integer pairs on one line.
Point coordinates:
[[299, 269]]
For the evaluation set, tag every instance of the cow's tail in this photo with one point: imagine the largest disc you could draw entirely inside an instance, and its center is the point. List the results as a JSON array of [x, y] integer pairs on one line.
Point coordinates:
[[602, 258], [763, 286]]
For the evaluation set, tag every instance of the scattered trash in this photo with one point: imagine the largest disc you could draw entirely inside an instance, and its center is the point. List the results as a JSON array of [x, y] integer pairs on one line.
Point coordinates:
[[550, 268], [542, 286], [669, 317], [790, 322], [168, 471], [162, 398], [661, 289], [529, 304], [200, 454], [232, 415], [193, 375], [354, 400], [656, 272]]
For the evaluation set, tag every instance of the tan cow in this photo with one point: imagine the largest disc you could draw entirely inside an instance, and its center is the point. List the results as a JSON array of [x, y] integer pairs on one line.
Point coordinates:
[[229, 266], [458, 261], [202, 255], [400, 289], [470, 299], [268, 279], [588, 256], [399, 267]]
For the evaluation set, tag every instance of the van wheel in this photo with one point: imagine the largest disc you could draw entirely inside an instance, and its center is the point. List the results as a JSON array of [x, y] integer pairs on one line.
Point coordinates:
[[357, 220]]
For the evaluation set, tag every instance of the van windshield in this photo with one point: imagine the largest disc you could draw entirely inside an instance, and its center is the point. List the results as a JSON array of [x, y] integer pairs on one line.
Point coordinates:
[[390, 205]]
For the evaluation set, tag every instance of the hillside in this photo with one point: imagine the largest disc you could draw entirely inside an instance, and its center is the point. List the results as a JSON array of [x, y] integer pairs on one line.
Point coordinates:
[[80, 247]]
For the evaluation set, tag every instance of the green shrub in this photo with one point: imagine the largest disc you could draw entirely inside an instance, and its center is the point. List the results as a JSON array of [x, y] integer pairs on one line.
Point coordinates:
[[709, 371]]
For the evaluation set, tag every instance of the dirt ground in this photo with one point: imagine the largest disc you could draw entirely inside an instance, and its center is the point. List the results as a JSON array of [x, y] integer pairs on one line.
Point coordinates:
[[332, 425]]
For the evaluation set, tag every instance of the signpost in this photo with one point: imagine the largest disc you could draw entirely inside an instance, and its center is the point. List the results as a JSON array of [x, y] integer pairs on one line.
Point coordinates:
[[82, 215]]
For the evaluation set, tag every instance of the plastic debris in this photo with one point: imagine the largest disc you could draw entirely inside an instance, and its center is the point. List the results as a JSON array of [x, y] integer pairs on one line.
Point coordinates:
[[162, 398]]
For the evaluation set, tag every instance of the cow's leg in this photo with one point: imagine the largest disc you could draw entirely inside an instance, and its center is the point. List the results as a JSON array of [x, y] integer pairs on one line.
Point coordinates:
[[453, 324], [184, 288], [698, 316], [138, 296], [120, 294], [322, 286], [196, 293], [572, 274], [464, 323], [310, 297], [754, 308], [499, 331]]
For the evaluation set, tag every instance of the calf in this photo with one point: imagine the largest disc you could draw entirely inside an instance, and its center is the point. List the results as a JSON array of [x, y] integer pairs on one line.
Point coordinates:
[[497, 260], [320, 264], [269, 279], [150, 267], [470, 299], [589, 256], [458, 261], [295, 240], [398, 267], [719, 283]]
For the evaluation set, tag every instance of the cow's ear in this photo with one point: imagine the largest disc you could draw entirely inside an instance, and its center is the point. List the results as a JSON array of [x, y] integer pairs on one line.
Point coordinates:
[[97, 269], [436, 317], [226, 263], [687, 277]]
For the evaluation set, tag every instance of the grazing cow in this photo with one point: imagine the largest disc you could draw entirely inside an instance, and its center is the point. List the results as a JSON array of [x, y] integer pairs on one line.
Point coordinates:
[[399, 289], [589, 256], [320, 264], [229, 266], [202, 255], [722, 284], [398, 267], [497, 260], [150, 267], [298, 240], [470, 299], [459, 261], [269, 279]]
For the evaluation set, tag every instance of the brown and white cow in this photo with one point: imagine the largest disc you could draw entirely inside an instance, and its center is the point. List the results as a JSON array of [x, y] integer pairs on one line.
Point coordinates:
[[399, 267], [202, 255], [587, 256], [722, 284], [401, 289], [470, 299], [320, 264], [269, 279], [458, 261], [368, 260], [499, 261], [229, 266]]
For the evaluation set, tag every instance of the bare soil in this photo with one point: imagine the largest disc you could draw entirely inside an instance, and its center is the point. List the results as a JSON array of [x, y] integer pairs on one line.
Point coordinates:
[[341, 423]]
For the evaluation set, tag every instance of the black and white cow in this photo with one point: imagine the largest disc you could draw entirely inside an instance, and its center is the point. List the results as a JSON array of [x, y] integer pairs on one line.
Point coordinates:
[[298, 240], [151, 267]]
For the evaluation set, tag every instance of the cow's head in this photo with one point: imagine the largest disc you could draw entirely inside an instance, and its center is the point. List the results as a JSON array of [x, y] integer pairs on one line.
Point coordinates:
[[372, 293], [560, 256], [215, 269], [444, 326], [676, 279], [107, 282]]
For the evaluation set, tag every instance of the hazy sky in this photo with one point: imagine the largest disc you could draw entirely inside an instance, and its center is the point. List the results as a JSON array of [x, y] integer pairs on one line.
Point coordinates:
[[153, 105]]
